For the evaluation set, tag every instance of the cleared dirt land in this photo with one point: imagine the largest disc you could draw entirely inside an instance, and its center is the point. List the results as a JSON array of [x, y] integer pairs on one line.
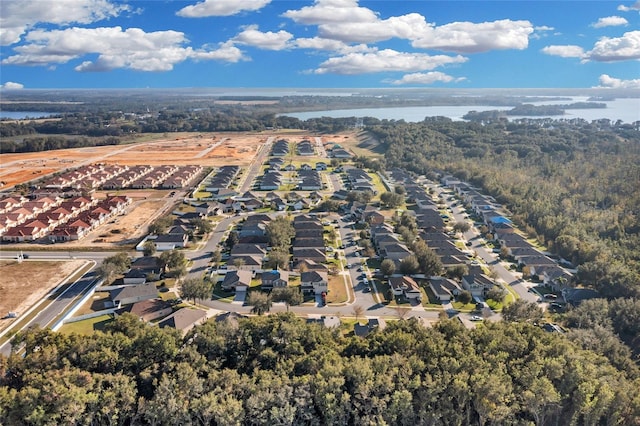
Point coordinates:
[[24, 283], [205, 149]]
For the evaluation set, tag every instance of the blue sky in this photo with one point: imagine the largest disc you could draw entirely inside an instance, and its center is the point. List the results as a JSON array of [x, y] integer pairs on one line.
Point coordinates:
[[319, 44]]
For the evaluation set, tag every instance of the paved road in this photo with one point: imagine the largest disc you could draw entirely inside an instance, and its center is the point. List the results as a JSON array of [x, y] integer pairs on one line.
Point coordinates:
[[477, 244], [62, 303]]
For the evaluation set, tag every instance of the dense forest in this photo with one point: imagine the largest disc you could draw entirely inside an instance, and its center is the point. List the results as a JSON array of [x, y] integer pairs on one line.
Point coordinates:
[[572, 185], [280, 370]]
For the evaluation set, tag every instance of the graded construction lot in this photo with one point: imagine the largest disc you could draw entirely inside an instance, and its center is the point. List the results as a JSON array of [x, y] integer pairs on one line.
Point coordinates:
[[204, 149], [22, 284]]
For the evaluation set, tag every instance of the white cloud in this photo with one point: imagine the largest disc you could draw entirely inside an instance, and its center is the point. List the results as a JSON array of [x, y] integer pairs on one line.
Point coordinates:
[[384, 61], [469, 37], [116, 48], [426, 78], [221, 8], [264, 40], [635, 6], [331, 12], [615, 49], [345, 21], [564, 51], [17, 16], [610, 21], [226, 52], [10, 85], [625, 48], [319, 43], [407, 27], [616, 83]]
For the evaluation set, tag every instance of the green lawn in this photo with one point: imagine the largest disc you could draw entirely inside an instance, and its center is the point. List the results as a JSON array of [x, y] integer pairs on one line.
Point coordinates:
[[469, 307], [88, 326]]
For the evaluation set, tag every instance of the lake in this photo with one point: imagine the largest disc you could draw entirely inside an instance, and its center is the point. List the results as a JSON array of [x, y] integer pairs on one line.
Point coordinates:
[[20, 115], [625, 109]]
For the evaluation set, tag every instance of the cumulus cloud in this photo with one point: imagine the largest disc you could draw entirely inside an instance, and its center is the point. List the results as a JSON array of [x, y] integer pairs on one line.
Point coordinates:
[[469, 37], [269, 40], [610, 21], [409, 27], [221, 8], [132, 48], [426, 78], [615, 49], [326, 44], [384, 61], [616, 83], [635, 6], [564, 51], [331, 12], [10, 85], [607, 49], [345, 21], [17, 16]]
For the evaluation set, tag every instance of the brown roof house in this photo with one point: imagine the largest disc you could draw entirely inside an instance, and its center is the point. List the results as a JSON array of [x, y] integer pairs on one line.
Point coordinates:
[[184, 319]]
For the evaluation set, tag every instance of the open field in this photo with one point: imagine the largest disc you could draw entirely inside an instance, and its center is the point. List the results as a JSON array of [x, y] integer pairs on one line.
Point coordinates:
[[24, 283], [205, 149]]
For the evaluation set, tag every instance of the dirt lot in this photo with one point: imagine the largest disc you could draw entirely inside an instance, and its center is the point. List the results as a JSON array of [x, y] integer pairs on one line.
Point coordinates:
[[205, 149], [23, 284]]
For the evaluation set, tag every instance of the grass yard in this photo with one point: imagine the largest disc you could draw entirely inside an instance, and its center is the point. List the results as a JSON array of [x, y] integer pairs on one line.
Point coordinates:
[[337, 289], [469, 307], [430, 301], [88, 326]]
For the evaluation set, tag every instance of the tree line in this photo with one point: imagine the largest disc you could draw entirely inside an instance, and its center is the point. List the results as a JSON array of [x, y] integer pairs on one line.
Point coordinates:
[[280, 369]]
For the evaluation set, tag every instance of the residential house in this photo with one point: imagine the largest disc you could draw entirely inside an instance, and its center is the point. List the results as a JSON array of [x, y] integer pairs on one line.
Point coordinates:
[[444, 289], [134, 293], [554, 276], [237, 280], [405, 286], [314, 254], [275, 279], [477, 284], [314, 282], [167, 242], [184, 319], [151, 309]]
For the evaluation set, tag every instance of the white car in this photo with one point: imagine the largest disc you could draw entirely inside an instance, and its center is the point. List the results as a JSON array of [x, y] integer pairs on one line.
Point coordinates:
[[476, 318]]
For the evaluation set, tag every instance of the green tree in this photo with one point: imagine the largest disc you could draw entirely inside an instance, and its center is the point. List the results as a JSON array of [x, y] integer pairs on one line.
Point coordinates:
[[461, 227], [497, 293], [259, 301], [409, 265], [521, 310], [195, 289], [465, 297], [148, 248], [387, 267], [278, 259], [280, 232], [391, 200], [291, 296], [216, 258]]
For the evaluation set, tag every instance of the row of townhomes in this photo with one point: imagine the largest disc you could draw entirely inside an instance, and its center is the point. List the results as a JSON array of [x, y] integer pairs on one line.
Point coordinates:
[[114, 176], [55, 219]]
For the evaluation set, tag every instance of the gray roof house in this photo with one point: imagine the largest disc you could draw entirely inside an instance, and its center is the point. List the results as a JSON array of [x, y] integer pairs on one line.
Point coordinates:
[[132, 294]]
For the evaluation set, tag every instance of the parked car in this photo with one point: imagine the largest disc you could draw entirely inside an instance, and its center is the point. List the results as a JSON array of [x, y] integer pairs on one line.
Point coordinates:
[[476, 318]]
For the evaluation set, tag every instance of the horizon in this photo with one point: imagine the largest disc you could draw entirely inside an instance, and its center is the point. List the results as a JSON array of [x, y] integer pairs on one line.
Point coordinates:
[[319, 44]]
